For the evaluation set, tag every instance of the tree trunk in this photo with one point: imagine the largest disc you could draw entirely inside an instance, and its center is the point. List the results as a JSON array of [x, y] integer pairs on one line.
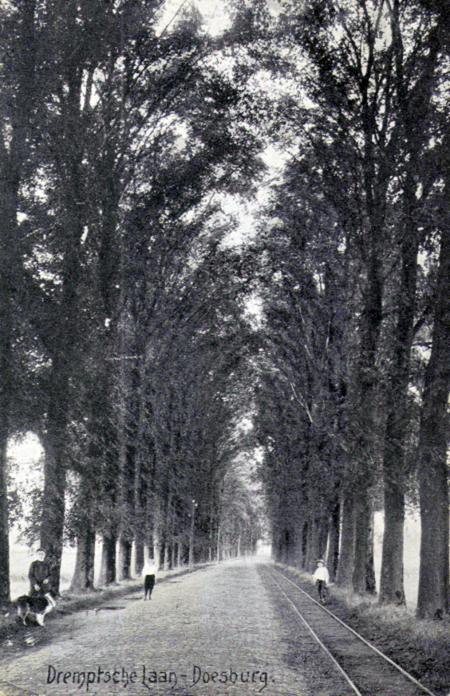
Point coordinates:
[[376, 179], [166, 564], [85, 514], [391, 585], [125, 548], [415, 124], [391, 581], [333, 546], [174, 556], [65, 337], [83, 577], [347, 553], [308, 544], [139, 555], [12, 158], [140, 505], [192, 534], [313, 547], [142, 474], [432, 453], [149, 508], [4, 526], [362, 537], [323, 536], [173, 541], [168, 531], [298, 548], [286, 546], [156, 531], [108, 564], [6, 388], [218, 543], [52, 523], [127, 459], [370, 567], [304, 542], [5, 400]]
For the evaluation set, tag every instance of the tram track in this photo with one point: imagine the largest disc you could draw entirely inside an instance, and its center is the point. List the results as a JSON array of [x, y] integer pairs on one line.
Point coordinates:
[[362, 668]]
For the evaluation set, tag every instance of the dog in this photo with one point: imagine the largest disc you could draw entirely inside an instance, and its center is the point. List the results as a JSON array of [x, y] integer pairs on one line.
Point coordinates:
[[39, 606]]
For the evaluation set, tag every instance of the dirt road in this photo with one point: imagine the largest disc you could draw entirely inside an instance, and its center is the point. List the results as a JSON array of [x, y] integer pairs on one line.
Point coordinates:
[[212, 632]]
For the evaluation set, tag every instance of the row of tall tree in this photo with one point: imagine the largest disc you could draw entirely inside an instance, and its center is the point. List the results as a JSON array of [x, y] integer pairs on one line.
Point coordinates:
[[355, 249], [122, 342]]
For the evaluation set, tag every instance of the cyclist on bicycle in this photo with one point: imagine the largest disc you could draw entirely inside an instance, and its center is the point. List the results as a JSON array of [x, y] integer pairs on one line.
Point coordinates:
[[321, 577]]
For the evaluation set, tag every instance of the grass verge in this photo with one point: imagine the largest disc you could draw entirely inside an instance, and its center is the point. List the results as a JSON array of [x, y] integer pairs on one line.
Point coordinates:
[[421, 647]]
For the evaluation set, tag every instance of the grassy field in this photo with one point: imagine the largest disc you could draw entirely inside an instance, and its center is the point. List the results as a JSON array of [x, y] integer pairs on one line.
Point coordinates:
[[20, 560], [410, 555], [21, 557]]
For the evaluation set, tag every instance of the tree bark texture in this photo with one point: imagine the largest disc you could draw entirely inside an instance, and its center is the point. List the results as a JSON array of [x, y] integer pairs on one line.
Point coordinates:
[[432, 452], [83, 577], [333, 542], [415, 123], [124, 561], [4, 536], [391, 585], [108, 562], [8, 199], [139, 555], [12, 158], [347, 552], [370, 567], [64, 340], [362, 541], [323, 536], [52, 522]]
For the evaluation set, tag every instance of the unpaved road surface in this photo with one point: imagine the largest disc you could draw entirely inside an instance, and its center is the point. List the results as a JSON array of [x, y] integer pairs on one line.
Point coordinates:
[[211, 632], [215, 631]]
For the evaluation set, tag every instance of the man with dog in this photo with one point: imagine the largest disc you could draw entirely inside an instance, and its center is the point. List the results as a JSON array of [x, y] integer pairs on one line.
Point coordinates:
[[40, 601], [39, 575]]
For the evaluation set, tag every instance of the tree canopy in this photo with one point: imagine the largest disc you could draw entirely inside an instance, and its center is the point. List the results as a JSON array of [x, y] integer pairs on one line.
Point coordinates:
[[132, 141]]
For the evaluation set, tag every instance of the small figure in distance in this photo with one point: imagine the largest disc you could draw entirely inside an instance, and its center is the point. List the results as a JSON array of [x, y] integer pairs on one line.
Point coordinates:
[[149, 575], [321, 577]]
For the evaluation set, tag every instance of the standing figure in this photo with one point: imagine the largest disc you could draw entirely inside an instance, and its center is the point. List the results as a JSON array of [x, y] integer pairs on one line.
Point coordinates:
[[40, 601], [149, 575], [39, 575], [321, 578]]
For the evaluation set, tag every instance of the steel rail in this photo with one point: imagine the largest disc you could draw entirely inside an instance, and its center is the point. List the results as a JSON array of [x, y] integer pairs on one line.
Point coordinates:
[[324, 647], [361, 638]]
